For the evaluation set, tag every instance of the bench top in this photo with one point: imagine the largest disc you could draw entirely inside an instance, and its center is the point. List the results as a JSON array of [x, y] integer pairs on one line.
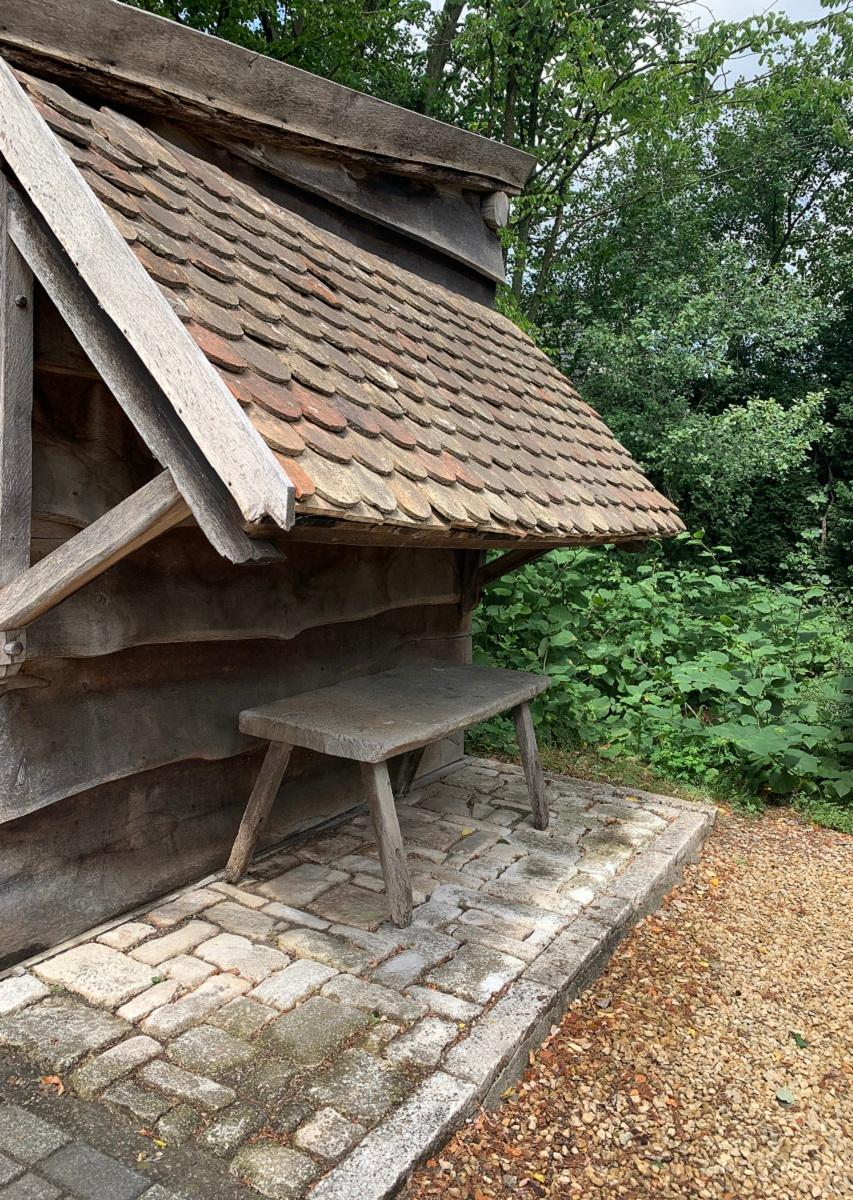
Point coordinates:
[[375, 717]]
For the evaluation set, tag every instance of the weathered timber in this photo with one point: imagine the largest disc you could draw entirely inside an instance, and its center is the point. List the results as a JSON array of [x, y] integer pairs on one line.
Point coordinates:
[[470, 590], [148, 409], [126, 713], [371, 719], [449, 221], [258, 809], [145, 515], [178, 589], [375, 718], [389, 841], [510, 561], [405, 769], [529, 751], [93, 855], [131, 299], [495, 209], [16, 403], [135, 58]]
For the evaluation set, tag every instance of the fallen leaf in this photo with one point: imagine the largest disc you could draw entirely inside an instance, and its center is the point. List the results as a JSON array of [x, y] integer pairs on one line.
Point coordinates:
[[785, 1096], [798, 1040], [53, 1081]]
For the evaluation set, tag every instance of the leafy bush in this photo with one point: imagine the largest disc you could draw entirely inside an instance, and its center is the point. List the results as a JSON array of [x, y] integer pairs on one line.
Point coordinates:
[[708, 676]]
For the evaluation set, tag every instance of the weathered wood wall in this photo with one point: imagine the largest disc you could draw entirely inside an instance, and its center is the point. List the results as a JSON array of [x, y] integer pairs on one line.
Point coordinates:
[[122, 770]]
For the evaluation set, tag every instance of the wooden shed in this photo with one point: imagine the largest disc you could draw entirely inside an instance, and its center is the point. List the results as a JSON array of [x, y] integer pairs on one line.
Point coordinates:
[[258, 422]]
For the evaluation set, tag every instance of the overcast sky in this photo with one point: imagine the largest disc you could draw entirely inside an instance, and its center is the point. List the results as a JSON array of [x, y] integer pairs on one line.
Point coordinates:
[[736, 10]]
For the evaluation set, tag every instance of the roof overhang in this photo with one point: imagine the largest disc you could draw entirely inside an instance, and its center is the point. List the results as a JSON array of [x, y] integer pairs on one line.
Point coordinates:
[[133, 57], [176, 400]]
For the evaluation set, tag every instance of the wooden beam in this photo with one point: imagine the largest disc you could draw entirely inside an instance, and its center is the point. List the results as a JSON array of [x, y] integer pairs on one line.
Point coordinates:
[[135, 58], [509, 562], [144, 318], [16, 425], [156, 507], [148, 410], [440, 218]]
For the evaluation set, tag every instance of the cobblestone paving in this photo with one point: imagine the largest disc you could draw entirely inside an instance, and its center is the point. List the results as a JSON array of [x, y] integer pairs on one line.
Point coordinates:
[[284, 1037]]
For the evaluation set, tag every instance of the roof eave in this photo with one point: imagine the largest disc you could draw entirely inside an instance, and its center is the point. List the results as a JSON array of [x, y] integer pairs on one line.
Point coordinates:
[[135, 57]]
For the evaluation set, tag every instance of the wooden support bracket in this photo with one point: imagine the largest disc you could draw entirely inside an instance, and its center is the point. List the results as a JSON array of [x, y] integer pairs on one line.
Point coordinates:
[[146, 514], [510, 561]]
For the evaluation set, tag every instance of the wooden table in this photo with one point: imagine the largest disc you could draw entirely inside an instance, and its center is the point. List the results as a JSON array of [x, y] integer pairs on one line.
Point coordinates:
[[377, 718]]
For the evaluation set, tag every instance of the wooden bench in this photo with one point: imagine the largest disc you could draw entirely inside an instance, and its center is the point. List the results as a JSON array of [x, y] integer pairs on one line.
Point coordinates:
[[377, 718]]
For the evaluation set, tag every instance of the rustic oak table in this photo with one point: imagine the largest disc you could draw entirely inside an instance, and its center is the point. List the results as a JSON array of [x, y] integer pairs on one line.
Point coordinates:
[[376, 718]]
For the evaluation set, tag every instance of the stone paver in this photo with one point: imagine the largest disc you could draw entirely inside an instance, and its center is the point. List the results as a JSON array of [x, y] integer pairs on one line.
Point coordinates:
[[236, 918], [30, 1187], [157, 950], [476, 973], [285, 1035], [125, 937], [154, 997], [209, 1051], [184, 1085], [424, 1043], [26, 1136], [174, 1018], [231, 1128], [186, 970], [360, 1086], [97, 973], [299, 886], [275, 1171], [20, 990], [232, 952], [59, 1031], [119, 1060], [325, 948], [313, 1031], [353, 905], [374, 998], [286, 988], [87, 1173], [327, 1134]]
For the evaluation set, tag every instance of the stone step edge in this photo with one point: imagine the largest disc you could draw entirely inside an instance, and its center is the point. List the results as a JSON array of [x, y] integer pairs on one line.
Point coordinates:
[[480, 1068]]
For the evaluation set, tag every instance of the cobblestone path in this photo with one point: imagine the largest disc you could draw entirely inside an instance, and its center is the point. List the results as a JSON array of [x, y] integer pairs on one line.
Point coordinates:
[[284, 1037]]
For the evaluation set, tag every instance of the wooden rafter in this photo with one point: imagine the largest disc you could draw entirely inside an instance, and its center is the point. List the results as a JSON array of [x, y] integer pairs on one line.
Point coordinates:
[[143, 317], [16, 406], [146, 514]]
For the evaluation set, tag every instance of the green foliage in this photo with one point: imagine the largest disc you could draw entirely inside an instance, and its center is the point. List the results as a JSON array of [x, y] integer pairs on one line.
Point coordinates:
[[709, 676]]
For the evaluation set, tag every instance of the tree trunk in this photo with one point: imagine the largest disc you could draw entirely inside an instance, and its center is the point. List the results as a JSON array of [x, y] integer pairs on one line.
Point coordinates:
[[446, 28]]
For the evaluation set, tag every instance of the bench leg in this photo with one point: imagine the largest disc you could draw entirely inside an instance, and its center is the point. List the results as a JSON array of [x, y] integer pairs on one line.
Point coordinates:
[[258, 809], [532, 767], [406, 770], [392, 854]]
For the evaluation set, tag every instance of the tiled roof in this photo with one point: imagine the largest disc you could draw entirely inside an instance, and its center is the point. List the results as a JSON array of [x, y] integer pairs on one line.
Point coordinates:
[[388, 399]]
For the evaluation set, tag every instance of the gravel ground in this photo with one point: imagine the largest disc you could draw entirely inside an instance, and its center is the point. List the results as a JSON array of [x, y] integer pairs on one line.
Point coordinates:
[[713, 1058]]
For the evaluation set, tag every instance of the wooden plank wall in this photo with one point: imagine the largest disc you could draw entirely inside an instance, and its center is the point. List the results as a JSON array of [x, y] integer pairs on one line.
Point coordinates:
[[122, 770]]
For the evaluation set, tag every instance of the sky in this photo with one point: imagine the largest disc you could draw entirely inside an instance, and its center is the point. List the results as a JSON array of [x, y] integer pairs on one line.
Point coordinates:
[[737, 10]]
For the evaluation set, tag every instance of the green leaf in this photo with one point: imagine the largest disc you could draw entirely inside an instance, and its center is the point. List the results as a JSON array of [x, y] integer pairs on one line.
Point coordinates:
[[798, 1040]]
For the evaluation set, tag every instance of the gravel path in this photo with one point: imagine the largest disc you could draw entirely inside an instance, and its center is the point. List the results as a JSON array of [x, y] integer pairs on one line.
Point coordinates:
[[713, 1058]]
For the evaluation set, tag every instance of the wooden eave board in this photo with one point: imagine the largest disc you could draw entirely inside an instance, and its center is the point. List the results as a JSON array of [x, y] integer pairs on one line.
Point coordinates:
[[130, 55], [377, 716], [142, 314]]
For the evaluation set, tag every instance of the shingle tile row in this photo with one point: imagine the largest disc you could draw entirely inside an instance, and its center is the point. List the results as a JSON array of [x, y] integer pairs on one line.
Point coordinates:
[[387, 399]]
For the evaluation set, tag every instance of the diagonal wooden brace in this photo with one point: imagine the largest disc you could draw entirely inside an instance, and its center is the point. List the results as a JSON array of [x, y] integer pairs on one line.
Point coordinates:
[[146, 514]]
